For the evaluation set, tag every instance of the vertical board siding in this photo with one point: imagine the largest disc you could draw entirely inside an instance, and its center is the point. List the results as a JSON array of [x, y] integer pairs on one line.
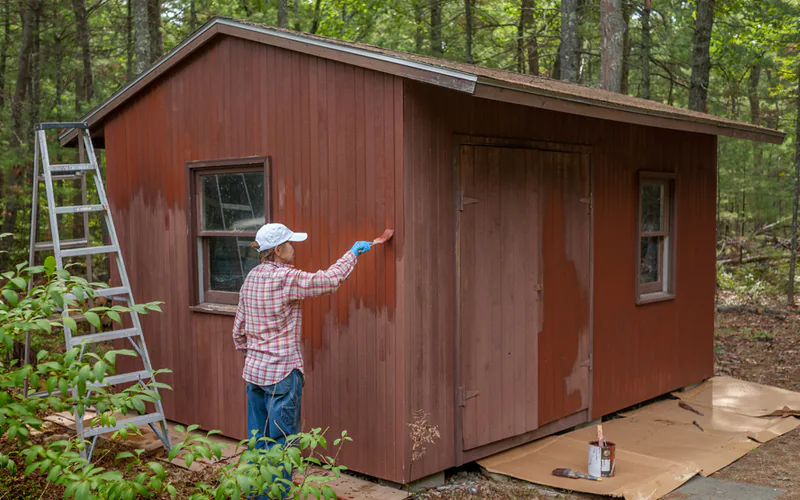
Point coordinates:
[[354, 151], [333, 134], [638, 351]]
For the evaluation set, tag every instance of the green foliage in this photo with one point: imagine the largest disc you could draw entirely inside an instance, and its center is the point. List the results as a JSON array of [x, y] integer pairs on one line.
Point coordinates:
[[757, 334], [70, 379], [755, 181]]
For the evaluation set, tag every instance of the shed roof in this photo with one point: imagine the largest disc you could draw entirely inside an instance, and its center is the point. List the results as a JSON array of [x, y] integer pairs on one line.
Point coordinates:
[[500, 85]]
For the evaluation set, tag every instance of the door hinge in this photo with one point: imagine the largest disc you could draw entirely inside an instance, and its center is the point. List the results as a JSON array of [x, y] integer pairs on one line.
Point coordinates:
[[462, 201], [588, 201], [587, 362], [464, 395]]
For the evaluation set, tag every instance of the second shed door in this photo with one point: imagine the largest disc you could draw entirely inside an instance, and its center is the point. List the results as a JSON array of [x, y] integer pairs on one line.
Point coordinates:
[[523, 257]]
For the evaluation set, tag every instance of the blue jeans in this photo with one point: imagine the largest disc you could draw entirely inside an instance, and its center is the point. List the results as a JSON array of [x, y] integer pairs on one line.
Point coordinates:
[[274, 411]]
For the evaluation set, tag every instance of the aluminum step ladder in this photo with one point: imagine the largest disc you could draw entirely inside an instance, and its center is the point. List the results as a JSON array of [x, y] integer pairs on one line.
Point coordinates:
[[82, 247]]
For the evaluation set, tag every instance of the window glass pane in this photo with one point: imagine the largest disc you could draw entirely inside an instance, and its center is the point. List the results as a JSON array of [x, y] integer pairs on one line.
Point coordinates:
[[230, 259], [650, 268], [233, 202], [652, 203]]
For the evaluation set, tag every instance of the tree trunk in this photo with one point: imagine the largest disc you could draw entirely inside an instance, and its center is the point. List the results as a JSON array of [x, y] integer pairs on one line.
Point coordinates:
[[419, 33], [193, 15], [556, 74], [533, 42], [436, 27], [528, 47], [129, 71], [36, 66], [141, 36], [59, 77], [19, 137], [569, 58], [4, 50], [283, 13], [701, 56], [612, 26], [297, 25], [521, 39], [626, 47], [154, 29], [84, 86], [793, 260], [646, 50], [468, 21], [755, 104], [315, 23], [23, 73]]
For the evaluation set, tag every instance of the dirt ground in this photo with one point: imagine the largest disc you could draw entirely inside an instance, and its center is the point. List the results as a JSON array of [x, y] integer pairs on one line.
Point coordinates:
[[752, 347]]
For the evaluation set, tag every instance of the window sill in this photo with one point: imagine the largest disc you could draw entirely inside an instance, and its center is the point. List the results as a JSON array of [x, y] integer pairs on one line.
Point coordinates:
[[650, 298], [209, 308]]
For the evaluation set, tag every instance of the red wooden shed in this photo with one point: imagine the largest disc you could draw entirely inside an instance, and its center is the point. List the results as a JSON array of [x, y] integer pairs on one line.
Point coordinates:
[[553, 260]]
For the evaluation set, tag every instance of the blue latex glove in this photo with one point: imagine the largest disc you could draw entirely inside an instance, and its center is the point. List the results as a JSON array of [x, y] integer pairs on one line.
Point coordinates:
[[360, 247]]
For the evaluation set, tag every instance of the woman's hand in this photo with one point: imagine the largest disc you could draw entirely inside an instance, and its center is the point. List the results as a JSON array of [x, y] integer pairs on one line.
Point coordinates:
[[360, 247]]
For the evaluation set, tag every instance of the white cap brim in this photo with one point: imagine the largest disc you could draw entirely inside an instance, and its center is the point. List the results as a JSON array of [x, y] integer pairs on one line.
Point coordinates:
[[297, 237]]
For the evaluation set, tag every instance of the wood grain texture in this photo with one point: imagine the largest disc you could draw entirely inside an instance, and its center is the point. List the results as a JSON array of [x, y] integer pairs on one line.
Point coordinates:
[[638, 352], [331, 131]]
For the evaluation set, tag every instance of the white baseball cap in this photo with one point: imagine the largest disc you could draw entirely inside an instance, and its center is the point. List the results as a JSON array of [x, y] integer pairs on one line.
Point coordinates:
[[273, 234]]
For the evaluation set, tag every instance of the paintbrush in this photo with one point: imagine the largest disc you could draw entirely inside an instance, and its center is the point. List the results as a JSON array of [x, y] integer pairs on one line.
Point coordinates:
[[600, 439], [386, 236], [687, 407], [698, 425], [562, 472]]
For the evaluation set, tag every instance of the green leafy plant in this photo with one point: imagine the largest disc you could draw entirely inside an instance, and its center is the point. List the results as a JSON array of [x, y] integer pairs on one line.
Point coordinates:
[[74, 379]]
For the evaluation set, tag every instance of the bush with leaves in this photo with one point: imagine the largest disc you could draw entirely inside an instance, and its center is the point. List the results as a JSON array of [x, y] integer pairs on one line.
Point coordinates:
[[74, 379]]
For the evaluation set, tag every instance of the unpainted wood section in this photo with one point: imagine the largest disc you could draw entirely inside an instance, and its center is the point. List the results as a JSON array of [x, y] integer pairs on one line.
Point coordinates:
[[494, 228], [335, 174]]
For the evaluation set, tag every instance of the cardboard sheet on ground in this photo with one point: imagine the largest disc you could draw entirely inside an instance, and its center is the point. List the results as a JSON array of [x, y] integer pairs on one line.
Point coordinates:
[[658, 446]]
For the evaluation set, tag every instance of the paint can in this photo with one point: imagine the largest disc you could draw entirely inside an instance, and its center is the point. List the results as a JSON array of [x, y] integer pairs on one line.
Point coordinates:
[[602, 459]]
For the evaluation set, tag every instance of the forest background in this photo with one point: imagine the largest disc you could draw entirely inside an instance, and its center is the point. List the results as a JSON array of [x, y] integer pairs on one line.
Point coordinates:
[[734, 58]]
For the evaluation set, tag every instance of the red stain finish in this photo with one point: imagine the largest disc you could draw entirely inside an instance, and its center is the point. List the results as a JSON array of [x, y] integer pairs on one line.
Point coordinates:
[[638, 352], [236, 98], [354, 151]]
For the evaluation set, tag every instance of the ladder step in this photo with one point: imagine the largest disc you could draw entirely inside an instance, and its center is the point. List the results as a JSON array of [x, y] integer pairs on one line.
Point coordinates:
[[104, 336], [88, 251], [116, 291], [80, 209], [70, 168], [48, 245], [64, 177], [61, 125], [138, 420], [123, 378], [44, 394]]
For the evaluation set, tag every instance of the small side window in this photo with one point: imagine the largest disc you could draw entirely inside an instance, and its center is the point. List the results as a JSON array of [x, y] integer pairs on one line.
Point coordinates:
[[229, 202], [655, 246]]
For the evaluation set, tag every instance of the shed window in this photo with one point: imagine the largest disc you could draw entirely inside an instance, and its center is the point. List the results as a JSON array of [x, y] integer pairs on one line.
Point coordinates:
[[229, 202], [655, 238]]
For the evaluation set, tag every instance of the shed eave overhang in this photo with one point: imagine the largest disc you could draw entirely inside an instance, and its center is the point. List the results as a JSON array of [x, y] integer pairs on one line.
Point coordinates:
[[493, 89]]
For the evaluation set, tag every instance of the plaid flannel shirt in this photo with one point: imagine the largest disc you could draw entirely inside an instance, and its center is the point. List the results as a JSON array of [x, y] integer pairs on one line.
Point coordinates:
[[268, 320]]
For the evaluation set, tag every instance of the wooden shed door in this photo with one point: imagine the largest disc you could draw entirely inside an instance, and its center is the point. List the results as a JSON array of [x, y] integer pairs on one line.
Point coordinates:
[[520, 211]]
